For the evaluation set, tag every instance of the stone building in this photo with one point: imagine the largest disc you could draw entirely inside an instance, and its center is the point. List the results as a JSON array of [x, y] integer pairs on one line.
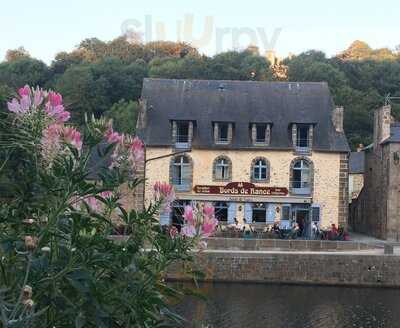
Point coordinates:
[[377, 209], [259, 151]]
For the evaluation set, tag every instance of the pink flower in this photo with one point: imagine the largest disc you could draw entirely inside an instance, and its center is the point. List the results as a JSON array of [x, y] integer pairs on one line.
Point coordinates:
[[55, 99], [25, 103], [188, 230], [93, 204], [208, 227], [112, 137], [15, 107], [50, 142], [173, 232], [136, 152], [63, 116], [208, 210], [25, 91], [106, 194], [38, 97], [72, 137], [188, 215], [164, 195]]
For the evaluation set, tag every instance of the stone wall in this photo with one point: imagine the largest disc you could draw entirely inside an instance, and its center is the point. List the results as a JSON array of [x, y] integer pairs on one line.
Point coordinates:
[[234, 244], [299, 268], [328, 174], [356, 183], [377, 209]]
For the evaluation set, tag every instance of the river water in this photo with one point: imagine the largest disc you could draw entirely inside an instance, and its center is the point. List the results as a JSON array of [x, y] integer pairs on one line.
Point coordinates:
[[289, 306]]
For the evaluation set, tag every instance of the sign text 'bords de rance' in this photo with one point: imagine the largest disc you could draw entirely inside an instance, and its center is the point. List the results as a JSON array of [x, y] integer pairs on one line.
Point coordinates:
[[240, 188]]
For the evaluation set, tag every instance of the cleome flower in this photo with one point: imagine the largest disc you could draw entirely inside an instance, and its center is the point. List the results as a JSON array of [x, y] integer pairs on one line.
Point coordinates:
[[164, 195], [30, 100], [199, 221]]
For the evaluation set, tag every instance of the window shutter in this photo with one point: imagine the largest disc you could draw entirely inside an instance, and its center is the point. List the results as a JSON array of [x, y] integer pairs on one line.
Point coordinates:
[[231, 212], [271, 208], [248, 213], [165, 218]]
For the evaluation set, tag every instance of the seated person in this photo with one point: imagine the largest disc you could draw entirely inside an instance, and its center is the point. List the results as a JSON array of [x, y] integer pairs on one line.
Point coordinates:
[[277, 230]]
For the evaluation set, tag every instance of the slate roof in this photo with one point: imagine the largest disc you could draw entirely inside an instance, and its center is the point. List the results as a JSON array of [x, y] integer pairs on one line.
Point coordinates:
[[240, 102], [394, 133], [356, 162]]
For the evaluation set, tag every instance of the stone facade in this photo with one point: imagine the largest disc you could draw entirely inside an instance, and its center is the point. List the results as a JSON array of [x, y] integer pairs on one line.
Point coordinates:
[[377, 209], [356, 184], [329, 186]]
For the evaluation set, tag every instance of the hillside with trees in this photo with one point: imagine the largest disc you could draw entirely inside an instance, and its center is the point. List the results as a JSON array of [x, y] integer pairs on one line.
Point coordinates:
[[106, 77]]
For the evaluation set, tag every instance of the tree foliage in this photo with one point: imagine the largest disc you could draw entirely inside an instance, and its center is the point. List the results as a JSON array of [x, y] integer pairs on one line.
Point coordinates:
[[98, 75]]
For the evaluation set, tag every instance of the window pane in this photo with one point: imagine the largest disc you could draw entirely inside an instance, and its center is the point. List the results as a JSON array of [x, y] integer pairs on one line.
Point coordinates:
[[315, 214], [260, 132], [182, 132], [302, 136], [221, 211], [223, 132], [177, 175], [263, 173]]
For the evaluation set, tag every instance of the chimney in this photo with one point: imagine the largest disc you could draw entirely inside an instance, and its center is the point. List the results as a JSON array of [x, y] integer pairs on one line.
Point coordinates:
[[337, 118], [382, 120]]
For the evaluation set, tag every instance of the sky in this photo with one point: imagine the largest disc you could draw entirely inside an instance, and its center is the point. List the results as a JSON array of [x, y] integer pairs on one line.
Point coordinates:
[[46, 27]]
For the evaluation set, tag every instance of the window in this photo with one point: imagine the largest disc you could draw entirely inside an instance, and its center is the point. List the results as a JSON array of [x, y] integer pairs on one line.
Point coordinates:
[[221, 211], [222, 168], [181, 173], [286, 212], [259, 212], [260, 134], [223, 132], [261, 130], [178, 209], [302, 140], [315, 213], [260, 170], [182, 132], [301, 177]]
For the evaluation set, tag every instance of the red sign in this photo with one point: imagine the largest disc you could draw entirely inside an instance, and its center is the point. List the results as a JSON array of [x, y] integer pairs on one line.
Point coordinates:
[[240, 189]]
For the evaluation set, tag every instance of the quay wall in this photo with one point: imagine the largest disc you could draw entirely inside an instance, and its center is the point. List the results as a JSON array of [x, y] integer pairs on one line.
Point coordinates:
[[296, 268]]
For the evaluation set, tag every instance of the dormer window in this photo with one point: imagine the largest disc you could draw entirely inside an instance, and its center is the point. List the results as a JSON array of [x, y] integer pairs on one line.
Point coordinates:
[[260, 134], [223, 132], [302, 140], [182, 133], [302, 136]]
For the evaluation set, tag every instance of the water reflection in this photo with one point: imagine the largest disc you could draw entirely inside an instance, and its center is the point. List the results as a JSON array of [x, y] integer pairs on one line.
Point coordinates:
[[283, 306]]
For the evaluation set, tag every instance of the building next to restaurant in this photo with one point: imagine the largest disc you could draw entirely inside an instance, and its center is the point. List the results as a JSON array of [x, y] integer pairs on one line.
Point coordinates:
[[356, 172], [376, 211], [258, 151]]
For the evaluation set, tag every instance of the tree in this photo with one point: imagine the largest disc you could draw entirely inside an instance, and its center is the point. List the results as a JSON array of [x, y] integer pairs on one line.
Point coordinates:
[[124, 115], [16, 54], [24, 71], [94, 88]]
